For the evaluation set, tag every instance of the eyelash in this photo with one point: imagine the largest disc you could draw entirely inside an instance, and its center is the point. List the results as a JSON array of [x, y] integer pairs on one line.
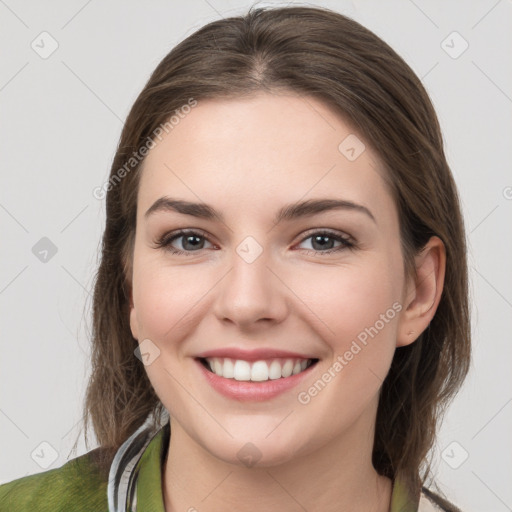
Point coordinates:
[[165, 241]]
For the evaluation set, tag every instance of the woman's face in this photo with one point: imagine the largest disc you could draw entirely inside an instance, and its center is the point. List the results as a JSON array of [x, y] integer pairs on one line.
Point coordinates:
[[319, 285]]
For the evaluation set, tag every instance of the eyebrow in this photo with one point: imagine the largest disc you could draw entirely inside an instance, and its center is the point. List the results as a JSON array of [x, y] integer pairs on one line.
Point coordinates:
[[289, 212]]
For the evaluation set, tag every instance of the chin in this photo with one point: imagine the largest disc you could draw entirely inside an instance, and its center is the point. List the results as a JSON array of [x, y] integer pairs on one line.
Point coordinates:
[[255, 455]]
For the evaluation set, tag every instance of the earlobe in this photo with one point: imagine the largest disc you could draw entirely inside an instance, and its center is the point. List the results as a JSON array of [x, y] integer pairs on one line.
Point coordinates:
[[423, 292], [133, 318]]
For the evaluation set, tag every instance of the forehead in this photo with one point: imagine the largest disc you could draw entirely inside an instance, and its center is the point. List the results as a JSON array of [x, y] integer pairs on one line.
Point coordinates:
[[263, 148]]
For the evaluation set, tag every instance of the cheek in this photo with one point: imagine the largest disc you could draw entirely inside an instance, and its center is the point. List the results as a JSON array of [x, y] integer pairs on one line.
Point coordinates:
[[164, 299], [359, 309], [166, 302], [348, 299]]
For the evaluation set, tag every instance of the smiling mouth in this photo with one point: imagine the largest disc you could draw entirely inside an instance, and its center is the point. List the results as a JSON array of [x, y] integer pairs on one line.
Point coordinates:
[[256, 371]]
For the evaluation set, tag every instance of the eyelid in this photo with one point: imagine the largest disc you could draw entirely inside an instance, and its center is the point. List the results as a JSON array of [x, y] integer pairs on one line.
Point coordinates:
[[173, 235], [328, 231], [346, 241], [169, 236]]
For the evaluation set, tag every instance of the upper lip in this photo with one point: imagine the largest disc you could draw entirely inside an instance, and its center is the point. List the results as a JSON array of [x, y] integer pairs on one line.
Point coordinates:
[[252, 355]]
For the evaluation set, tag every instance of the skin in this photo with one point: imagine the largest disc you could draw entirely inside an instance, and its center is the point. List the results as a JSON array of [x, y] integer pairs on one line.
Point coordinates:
[[247, 158]]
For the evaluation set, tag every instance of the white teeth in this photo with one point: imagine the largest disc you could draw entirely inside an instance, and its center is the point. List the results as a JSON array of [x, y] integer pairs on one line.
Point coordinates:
[[274, 371], [217, 366], [258, 371], [287, 368], [296, 368], [241, 371], [228, 370]]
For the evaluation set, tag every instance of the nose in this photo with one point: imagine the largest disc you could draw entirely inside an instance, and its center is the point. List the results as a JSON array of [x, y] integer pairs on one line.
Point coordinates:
[[251, 294]]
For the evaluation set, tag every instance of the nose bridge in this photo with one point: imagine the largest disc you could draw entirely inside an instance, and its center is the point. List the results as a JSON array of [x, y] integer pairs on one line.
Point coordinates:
[[250, 291]]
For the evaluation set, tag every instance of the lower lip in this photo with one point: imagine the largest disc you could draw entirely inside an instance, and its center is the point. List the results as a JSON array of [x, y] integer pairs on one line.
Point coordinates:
[[246, 390]]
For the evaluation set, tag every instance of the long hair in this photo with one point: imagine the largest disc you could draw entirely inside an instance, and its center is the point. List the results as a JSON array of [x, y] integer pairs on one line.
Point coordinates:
[[320, 53]]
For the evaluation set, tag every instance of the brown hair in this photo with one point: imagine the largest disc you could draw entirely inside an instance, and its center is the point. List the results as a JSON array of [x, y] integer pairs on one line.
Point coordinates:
[[315, 52]]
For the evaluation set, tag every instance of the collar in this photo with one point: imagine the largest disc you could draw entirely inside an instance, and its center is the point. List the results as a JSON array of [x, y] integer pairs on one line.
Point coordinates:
[[135, 478]]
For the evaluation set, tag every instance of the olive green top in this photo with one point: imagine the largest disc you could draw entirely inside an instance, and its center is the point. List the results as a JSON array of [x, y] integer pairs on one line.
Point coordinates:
[[77, 486]]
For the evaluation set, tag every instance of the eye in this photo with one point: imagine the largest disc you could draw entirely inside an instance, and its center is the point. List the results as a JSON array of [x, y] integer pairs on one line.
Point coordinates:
[[322, 242], [191, 241]]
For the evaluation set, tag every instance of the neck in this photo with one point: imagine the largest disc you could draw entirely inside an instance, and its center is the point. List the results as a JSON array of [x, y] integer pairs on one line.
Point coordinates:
[[194, 480]]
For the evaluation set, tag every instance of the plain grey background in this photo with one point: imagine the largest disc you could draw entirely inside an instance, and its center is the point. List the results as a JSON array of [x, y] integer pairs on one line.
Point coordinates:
[[62, 110]]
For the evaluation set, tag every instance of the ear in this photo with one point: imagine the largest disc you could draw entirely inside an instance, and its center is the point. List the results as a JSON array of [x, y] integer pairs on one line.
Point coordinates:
[[133, 317], [127, 262], [422, 292]]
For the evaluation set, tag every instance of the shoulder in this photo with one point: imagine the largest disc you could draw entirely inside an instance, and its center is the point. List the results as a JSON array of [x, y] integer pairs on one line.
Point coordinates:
[[432, 502], [78, 485]]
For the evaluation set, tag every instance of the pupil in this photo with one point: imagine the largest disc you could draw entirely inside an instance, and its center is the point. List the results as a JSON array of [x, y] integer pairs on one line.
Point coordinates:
[[187, 240], [321, 237]]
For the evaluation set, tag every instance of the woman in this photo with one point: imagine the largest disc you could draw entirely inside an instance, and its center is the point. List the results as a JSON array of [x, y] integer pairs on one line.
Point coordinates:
[[283, 282]]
